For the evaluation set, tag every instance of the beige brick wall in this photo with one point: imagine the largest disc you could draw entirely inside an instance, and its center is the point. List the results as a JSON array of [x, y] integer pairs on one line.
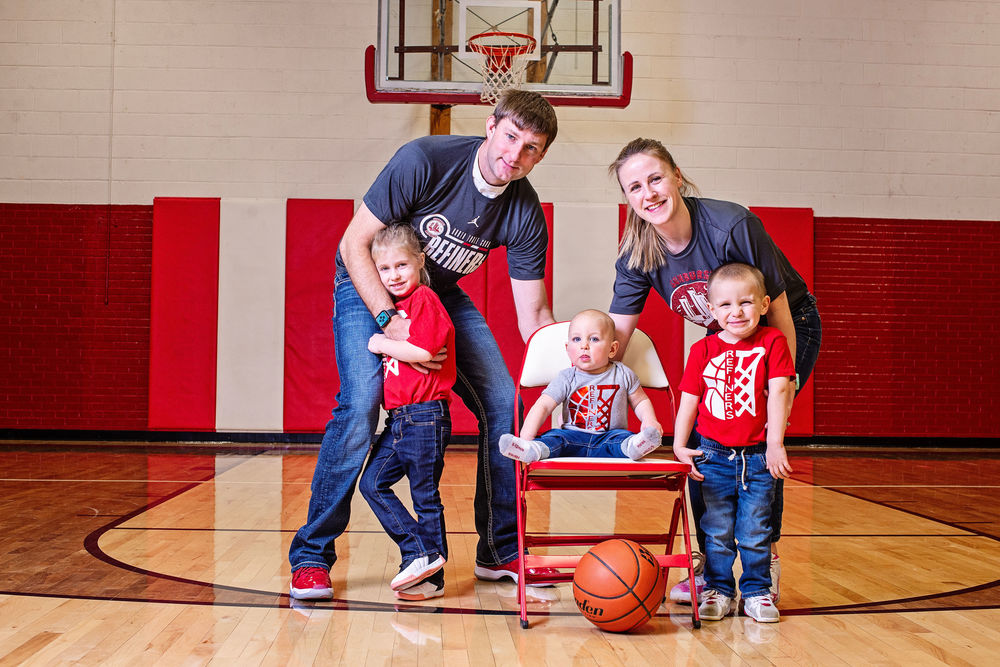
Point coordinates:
[[852, 107]]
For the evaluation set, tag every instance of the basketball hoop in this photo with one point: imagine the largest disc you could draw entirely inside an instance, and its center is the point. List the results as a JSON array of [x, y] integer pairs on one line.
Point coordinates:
[[505, 60]]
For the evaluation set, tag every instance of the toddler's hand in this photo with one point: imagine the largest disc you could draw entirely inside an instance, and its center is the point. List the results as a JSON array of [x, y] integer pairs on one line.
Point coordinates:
[[685, 455], [777, 462]]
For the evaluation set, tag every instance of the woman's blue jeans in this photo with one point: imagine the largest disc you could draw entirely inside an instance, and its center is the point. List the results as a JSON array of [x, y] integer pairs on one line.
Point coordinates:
[[412, 446], [484, 385], [808, 336]]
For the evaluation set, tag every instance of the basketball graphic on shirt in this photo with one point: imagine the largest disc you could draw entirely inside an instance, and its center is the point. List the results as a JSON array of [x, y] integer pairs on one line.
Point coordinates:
[[730, 379], [589, 406]]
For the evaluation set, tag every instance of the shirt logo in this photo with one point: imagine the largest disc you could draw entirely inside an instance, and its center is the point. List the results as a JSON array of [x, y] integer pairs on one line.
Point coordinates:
[[589, 406], [730, 381], [452, 249], [690, 301]]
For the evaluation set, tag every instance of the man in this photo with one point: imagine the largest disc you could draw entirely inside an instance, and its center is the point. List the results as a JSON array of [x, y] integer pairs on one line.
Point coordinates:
[[463, 196]]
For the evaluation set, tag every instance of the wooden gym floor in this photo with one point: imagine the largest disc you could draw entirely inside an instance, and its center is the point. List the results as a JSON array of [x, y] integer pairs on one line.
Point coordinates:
[[137, 554]]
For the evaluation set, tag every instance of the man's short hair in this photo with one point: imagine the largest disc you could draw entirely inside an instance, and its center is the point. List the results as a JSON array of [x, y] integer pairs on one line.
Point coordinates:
[[528, 111]]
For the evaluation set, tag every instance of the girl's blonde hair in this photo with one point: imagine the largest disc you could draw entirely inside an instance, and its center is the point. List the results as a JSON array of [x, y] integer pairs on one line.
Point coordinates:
[[639, 240], [401, 236]]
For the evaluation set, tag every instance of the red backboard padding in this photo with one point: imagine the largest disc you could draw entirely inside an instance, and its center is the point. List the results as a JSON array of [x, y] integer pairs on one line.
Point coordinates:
[[184, 314], [313, 229]]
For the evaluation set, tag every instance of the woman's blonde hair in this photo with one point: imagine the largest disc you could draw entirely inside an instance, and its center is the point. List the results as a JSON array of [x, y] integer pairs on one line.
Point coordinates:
[[401, 236], [640, 241]]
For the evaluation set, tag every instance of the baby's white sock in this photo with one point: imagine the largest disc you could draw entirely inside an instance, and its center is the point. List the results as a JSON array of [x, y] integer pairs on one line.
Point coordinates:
[[642, 443], [522, 450]]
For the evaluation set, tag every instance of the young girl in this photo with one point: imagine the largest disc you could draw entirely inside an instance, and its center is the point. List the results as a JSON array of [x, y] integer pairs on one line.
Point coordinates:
[[419, 424]]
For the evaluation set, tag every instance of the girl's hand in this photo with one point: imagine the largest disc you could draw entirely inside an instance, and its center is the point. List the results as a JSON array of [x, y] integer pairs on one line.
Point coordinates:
[[375, 343]]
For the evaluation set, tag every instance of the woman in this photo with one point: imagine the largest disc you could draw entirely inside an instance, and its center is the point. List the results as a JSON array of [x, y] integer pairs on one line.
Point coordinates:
[[672, 241]]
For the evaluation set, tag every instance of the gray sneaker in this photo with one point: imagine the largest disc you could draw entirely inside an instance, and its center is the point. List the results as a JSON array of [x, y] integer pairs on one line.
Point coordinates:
[[761, 609], [715, 606]]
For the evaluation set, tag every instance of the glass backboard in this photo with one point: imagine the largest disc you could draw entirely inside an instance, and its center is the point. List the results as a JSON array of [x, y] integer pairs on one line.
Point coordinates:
[[423, 52]]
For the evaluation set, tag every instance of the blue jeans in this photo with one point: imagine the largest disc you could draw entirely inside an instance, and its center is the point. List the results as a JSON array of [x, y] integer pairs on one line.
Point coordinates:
[[571, 442], [738, 491], [808, 336], [412, 446], [484, 384]]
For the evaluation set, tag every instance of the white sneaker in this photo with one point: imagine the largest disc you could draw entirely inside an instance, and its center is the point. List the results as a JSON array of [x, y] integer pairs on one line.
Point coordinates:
[[422, 591], [775, 577], [642, 443], [525, 451], [681, 592], [761, 609], [418, 570], [715, 607]]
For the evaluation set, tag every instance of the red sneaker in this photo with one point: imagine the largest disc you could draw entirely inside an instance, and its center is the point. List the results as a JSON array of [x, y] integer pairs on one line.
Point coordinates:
[[311, 583], [509, 571]]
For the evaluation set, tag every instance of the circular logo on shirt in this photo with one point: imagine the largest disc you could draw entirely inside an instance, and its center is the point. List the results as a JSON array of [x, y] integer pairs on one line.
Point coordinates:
[[434, 225], [690, 301]]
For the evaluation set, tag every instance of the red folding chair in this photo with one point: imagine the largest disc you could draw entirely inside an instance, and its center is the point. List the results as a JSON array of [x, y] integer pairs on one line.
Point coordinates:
[[544, 356]]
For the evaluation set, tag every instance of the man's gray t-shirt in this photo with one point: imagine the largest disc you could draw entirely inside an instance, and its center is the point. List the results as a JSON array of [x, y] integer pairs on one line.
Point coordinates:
[[594, 402], [428, 185]]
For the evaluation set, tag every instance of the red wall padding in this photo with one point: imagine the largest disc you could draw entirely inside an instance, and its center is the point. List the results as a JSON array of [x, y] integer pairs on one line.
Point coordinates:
[[666, 330], [184, 314], [792, 230], [909, 327], [314, 228], [906, 306], [489, 288], [74, 327]]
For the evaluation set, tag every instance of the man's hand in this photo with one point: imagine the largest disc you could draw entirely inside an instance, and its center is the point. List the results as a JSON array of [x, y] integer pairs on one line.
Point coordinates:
[[777, 462], [398, 328], [434, 364]]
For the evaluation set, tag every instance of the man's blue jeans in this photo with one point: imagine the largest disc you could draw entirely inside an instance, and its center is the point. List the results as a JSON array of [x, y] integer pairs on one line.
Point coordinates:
[[412, 446], [738, 491], [808, 336], [571, 442], [484, 385]]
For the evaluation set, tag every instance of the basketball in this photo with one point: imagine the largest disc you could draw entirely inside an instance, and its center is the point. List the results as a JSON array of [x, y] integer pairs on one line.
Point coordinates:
[[618, 585]]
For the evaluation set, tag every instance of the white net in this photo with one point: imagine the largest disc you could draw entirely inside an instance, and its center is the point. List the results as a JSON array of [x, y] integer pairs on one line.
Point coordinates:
[[504, 61]]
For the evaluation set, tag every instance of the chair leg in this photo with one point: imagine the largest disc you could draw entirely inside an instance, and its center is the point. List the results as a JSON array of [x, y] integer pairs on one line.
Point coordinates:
[[682, 508], [522, 509]]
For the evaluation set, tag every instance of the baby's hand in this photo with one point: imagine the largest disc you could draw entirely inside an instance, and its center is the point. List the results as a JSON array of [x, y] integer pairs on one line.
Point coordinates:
[[685, 455], [375, 343]]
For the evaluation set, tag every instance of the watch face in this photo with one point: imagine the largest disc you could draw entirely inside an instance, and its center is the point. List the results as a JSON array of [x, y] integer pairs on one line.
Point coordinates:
[[382, 319]]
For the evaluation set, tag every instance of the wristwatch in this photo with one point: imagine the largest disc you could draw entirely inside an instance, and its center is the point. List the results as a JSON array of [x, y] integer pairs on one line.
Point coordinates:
[[382, 319]]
